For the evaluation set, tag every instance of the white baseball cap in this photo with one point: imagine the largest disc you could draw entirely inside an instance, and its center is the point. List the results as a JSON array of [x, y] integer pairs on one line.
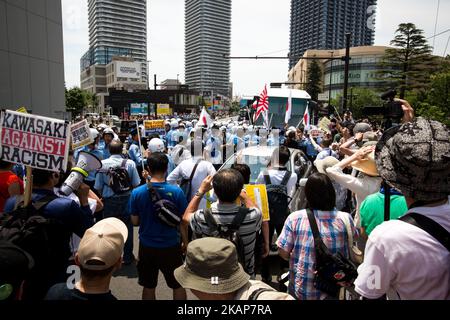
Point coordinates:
[[102, 245], [156, 145]]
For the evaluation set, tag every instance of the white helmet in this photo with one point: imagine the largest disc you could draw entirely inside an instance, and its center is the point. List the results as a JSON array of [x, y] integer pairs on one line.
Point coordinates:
[[156, 145], [174, 124], [108, 131], [94, 133], [189, 124]]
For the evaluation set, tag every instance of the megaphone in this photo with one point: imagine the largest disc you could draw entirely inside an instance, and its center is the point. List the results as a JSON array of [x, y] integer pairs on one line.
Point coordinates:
[[86, 162]]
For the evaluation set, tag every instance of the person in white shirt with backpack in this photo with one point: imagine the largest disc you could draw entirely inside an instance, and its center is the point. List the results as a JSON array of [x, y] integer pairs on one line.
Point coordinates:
[[114, 182], [280, 184]]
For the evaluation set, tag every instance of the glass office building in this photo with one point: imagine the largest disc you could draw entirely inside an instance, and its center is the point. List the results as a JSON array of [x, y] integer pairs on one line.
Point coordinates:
[[322, 24], [207, 40], [116, 28]]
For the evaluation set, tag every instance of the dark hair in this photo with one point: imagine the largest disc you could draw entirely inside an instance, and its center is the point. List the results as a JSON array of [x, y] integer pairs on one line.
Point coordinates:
[[116, 147], [144, 143], [63, 176], [291, 135], [228, 185], [326, 143], [41, 177], [283, 153], [153, 136], [320, 192], [5, 165], [157, 162], [244, 170]]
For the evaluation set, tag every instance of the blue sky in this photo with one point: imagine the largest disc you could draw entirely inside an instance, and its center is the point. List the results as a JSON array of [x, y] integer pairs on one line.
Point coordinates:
[[258, 27]]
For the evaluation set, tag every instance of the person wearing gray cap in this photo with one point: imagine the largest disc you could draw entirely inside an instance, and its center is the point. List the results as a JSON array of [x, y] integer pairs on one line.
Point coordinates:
[[212, 272], [409, 258]]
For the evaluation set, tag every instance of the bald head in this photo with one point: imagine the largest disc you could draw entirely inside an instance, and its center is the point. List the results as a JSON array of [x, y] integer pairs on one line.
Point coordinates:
[[116, 147]]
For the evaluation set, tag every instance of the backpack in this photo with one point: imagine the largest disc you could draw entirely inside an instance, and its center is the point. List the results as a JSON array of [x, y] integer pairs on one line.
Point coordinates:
[[119, 179], [278, 199], [333, 271], [229, 231], [166, 211], [28, 229], [186, 184]]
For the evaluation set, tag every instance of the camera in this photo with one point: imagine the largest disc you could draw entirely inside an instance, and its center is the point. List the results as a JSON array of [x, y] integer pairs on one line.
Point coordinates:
[[391, 110]]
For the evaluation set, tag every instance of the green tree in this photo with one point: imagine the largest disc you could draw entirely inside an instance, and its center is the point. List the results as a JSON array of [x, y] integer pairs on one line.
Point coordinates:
[[358, 99], [409, 65], [314, 80], [435, 104], [76, 100]]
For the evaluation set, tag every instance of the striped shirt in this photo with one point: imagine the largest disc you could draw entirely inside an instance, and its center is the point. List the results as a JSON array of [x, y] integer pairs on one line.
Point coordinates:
[[224, 214], [297, 239]]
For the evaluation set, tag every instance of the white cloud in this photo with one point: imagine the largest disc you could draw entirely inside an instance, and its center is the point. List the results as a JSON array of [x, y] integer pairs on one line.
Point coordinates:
[[258, 26]]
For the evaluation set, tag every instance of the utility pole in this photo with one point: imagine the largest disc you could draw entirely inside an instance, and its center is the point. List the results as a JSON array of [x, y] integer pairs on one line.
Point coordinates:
[[331, 74], [347, 65]]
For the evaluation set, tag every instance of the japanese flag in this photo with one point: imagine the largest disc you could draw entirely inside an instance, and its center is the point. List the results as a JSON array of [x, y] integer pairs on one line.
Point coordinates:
[[288, 108], [306, 118], [205, 118]]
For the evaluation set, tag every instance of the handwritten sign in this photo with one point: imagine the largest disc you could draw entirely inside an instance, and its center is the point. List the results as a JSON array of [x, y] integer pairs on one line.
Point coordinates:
[[34, 141], [81, 134], [154, 127], [324, 124]]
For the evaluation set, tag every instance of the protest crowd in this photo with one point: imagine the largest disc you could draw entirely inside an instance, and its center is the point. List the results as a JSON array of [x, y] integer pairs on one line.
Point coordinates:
[[373, 220]]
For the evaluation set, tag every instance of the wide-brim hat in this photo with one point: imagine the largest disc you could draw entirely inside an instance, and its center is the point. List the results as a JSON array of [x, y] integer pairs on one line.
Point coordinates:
[[328, 162], [415, 159], [367, 165], [211, 266]]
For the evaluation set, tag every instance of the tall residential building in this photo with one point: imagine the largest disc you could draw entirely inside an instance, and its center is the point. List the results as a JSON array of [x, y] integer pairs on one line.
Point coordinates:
[[322, 24], [207, 40], [117, 28], [32, 57]]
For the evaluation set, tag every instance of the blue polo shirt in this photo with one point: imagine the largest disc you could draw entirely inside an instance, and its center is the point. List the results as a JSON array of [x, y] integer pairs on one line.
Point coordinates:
[[152, 232]]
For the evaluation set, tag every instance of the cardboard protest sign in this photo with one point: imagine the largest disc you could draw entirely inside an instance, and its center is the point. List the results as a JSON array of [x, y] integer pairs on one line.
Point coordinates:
[[258, 193], [34, 141], [81, 134], [154, 127], [324, 123]]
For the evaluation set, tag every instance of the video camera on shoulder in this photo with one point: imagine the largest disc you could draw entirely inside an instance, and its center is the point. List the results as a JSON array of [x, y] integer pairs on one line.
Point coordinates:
[[391, 110]]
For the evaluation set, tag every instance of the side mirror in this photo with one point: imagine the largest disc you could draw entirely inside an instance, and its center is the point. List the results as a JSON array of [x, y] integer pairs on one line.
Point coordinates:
[[302, 182]]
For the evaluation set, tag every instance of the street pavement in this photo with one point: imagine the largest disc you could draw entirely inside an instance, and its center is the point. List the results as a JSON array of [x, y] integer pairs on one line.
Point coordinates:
[[124, 284]]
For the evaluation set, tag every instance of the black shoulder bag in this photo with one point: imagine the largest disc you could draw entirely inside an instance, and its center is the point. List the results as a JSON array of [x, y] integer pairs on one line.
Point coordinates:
[[166, 211], [333, 271], [430, 226]]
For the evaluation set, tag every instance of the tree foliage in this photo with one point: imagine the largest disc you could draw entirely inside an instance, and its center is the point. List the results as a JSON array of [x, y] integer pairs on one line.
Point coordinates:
[[409, 64], [314, 80], [77, 99], [434, 103], [358, 99]]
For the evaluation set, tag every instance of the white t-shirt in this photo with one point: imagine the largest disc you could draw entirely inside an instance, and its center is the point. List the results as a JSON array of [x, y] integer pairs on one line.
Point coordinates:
[[362, 186], [75, 241], [184, 171], [276, 176], [413, 265]]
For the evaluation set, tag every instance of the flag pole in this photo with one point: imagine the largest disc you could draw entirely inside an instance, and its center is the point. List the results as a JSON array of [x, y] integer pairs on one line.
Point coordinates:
[[140, 145]]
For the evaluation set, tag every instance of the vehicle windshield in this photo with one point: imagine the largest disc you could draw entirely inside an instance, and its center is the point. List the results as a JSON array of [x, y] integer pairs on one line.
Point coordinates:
[[257, 164]]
